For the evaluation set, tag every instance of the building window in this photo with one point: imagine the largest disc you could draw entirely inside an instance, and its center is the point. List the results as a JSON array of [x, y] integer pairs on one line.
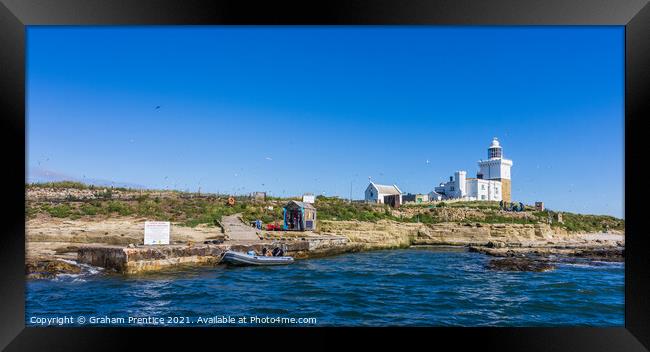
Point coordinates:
[[452, 188], [483, 187], [483, 197]]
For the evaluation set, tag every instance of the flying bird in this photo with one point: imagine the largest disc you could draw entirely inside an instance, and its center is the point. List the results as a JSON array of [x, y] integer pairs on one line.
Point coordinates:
[[157, 107]]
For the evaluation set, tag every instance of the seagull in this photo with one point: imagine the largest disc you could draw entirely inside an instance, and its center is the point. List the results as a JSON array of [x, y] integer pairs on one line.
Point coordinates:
[[157, 107]]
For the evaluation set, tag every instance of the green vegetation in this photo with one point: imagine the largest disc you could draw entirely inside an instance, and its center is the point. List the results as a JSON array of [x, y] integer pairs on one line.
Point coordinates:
[[58, 211], [30, 212], [186, 211], [60, 185], [89, 209], [473, 204], [332, 208], [190, 209], [590, 223], [496, 217], [121, 208], [425, 218]]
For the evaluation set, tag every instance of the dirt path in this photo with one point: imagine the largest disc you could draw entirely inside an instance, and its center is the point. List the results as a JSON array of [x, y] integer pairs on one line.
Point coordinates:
[[236, 230]]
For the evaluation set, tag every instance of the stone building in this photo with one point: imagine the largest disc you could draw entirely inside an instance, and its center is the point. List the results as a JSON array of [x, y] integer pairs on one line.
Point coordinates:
[[376, 193]]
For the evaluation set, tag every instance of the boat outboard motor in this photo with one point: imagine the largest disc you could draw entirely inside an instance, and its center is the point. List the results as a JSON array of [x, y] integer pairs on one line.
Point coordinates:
[[276, 252]]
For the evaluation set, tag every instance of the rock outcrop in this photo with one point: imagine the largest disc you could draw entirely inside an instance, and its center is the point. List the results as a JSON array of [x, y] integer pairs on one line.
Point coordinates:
[[68, 194], [525, 242], [590, 251], [519, 264], [391, 234], [46, 268], [114, 243], [373, 235]]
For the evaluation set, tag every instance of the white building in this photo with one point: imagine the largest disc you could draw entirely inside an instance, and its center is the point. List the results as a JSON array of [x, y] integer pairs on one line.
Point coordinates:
[[435, 196], [478, 189], [415, 198], [375, 193], [497, 168], [492, 181], [456, 187]]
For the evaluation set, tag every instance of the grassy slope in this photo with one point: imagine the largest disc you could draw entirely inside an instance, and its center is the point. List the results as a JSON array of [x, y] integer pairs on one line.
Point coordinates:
[[190, 210]]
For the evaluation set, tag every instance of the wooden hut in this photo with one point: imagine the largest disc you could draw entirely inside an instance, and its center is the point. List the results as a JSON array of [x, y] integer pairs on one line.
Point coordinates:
[[394, 200], [299, 216]]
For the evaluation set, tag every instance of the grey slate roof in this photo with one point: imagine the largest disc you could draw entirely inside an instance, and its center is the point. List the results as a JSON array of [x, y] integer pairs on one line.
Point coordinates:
[[385, 189], [301, 204]]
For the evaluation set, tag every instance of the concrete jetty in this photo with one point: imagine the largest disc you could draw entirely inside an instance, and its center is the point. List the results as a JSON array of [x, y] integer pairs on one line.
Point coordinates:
[[139, 259], [132, 260]]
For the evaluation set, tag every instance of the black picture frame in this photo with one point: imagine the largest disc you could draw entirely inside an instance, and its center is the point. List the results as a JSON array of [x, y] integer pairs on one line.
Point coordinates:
[[16, 14]]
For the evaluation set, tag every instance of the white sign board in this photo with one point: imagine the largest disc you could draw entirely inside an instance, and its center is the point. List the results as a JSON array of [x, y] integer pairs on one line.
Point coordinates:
[[156, 232], [308, 198]]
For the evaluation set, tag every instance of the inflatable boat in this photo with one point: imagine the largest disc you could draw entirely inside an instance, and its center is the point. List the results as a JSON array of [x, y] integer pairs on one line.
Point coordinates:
[[238, 258]]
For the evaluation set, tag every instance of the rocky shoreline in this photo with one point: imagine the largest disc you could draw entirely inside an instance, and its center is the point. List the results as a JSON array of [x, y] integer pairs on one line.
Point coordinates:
[[53, 244], [49, 268], [64, 219], [599, 253], [539, 259], [534, 259]]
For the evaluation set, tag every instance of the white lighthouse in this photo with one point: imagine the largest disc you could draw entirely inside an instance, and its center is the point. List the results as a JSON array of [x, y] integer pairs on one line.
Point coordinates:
[[492, 182], [497, 168]]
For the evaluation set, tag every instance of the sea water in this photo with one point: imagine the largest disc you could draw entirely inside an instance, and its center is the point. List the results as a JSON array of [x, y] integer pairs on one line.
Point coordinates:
[[408, 287]]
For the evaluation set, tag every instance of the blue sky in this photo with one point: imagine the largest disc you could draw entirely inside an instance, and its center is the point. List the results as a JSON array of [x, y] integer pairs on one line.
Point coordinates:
[[290, 110]]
